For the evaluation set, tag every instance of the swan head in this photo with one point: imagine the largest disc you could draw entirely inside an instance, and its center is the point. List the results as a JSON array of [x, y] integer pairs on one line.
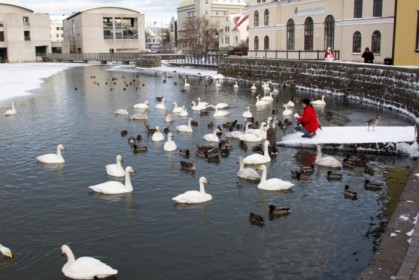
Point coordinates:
[[6, 252], [170, 135], [261, 167], [130, 169], [61, 147], [119, 158], [203, 180]]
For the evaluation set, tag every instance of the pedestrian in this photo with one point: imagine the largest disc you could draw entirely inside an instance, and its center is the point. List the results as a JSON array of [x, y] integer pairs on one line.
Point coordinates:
[[329, 55], [368, 56], [308, 122]]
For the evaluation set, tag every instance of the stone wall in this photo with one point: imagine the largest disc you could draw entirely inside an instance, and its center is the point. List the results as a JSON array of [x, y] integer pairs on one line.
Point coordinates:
[[394, 88], [148, 61]]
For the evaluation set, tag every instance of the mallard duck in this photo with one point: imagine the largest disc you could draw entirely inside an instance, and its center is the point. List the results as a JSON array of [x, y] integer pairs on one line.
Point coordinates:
[[124, 133], [372, 186], [279, 210], [131, 140], [346, 163], [184, 152], [348, 193], [368, 170], [256, 219], [333, 176], [150, 131], [296, 174], [213, 158], [139, 149], [189, 166]]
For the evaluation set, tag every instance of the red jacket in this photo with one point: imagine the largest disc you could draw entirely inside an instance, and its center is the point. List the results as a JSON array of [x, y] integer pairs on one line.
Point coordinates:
[[309, 119]]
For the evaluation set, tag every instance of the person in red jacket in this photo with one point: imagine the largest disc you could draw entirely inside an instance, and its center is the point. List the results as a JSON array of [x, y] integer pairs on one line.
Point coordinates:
[[308, 121]]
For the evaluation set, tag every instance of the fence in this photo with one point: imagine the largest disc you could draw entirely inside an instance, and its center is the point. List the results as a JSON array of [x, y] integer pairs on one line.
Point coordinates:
[[298, 55]]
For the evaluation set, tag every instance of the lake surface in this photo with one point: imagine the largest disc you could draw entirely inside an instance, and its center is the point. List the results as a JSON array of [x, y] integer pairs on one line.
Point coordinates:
[[144, 234]]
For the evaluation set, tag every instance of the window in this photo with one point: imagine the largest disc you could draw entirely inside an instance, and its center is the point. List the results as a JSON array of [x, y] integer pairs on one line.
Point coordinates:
[[266, 43], [356, 42], [329, 32], [266, 18], [256, 17], [417, 34], [376, 42], [290, 35], [1, 21], [308, 34], [357, 8], [377, 10], [256, 43], [1, 36], [27, 35], [25, 21]]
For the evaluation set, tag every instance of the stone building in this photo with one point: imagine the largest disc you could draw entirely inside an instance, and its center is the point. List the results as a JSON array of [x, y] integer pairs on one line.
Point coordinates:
[[57, 34], [24, 35]]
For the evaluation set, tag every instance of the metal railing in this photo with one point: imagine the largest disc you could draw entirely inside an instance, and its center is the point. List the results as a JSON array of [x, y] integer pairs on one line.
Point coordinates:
[[286, 54]]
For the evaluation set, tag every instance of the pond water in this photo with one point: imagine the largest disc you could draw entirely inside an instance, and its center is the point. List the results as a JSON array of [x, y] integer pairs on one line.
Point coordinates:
[[144, 234]]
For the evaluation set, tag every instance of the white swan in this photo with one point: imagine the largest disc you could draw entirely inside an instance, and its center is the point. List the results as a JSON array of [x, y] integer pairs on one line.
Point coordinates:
[[143, 105], [176, 109], [275, 90], [258, 158], [161, 105], [184, 127], [116, 169], [247, 172], [157, 135], [202, 103], [221, 105], [268, 98], [250, 137], [272, 184], [84, 267], [170, 145], [319, 102], [218, 83], [198, 107], [184, 112], [186, 85], [190, 197], [261, 103], [327, 161], [123, 111], [286, 111], [234, 134], [261, 131], [236, 86], [169, 118], [115, 187], [12, 111], [139, 117], [253, 87], [247, 113], [53, 158], [6, 251], [290, 104], [219, 113], [212, 137]]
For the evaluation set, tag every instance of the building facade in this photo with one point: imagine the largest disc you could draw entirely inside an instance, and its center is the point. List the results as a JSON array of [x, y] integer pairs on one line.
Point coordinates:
[[24, 35], [314, 25], [57, 34], [105, 30]]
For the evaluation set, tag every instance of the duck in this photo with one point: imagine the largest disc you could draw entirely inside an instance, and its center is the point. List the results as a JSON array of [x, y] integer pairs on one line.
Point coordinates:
[[268, 98], [176, 109], [319, 102], [372, 186], [124, 133], [272, 184], [253, 87], [139, 117], [161, 105], [84, 267], [348, 193], [258, 158], [139, 149], [192, 197], [53, 158], [247, 173], [261, 103], [307, 169], [256, 219], [189, 166], [236, 86], [143, 105], [286, 111], [116, 169], [170, 145], [326, 161], [185, 128], [279, 210], [369, 170], [115, 187], [184, 152], [333, 176], [214, 158], [12, 111], [212, 137], [132, 140], [169, 118], [247, 114], [122, 111], [150, 130], [6, 251], [157, 135]]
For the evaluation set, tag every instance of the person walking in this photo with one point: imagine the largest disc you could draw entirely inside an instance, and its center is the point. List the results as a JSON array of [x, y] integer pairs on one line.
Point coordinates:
[[368, 56], [329, 55], [308, 122]]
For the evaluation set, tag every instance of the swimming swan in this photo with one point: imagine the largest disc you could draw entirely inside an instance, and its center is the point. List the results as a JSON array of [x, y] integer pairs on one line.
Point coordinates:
[[268, 98], [161, 105], [272, 184], [184, 127], [190, 197], [123, 111], [157, 135], [12, 111], [143, 105], [286, 111], [212, 137], [116, 169], [319, 102], [6, 251], [261, 103], [53, 158], [327, 161], [170, 145], [176, 109], [247, 113], [258, 158], [84, 267], [115, 187], [247, 173], [253, 87]]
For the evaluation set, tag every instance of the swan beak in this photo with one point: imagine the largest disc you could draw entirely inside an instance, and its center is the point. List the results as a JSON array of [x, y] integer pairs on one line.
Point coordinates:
[[9, 255], [133, 171]]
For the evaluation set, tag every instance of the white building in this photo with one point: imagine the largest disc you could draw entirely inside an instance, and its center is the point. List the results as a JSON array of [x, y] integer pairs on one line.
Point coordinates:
[[24, 35], [57, 34]]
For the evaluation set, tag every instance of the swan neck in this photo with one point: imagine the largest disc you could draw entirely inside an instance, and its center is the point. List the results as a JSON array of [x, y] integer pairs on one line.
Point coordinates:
[[201, 187], [266, 152], [59, 153], [263, 178], [70, 256], [319, 152], [128, 184]]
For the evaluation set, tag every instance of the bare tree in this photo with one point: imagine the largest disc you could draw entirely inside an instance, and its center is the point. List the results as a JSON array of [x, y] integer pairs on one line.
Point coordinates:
[[198, 34]]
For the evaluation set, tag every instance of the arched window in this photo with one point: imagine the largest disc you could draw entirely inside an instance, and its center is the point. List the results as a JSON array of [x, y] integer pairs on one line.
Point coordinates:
[[290, 35], [357, 8], [356, 42], [266, 18], [266, 43], [256, 18], [376, 42], [329, 32], [256, 42], [308, 34]]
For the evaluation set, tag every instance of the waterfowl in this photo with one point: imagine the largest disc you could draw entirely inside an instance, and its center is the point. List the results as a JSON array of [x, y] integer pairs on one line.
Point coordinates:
[[186, 85], [191, 197], [307, 169], [275, 90], [132, 140], [196, 107], [189, 166], [115, 187], [247, 173], [194, 123], [348, 193], [333, 176], [170, 145], [143, 105], [236, 86], [157, 135], [53, 158], [221, 105], [161, 105], [12, 111], [256, 219], [290, 103], [253, 87], [261, 103], [176, 109], [169, 118], [124, 133], [139, 117], [279, 210], [296, 174], [139, 149], [371, 123], [319, 102], [150, 130], [202, 103], [217, 84], [247, 114], [286, 111], [122, 111], [368, 170], [326, 161], [185, 128], [84, 267], [212, 137], [184, 112], [219, 113], [6, 251], [234, 134], [372, 186], [268, 98], [258, 158], [272, 184], [184, 152], [214, 158], [116, 169]]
